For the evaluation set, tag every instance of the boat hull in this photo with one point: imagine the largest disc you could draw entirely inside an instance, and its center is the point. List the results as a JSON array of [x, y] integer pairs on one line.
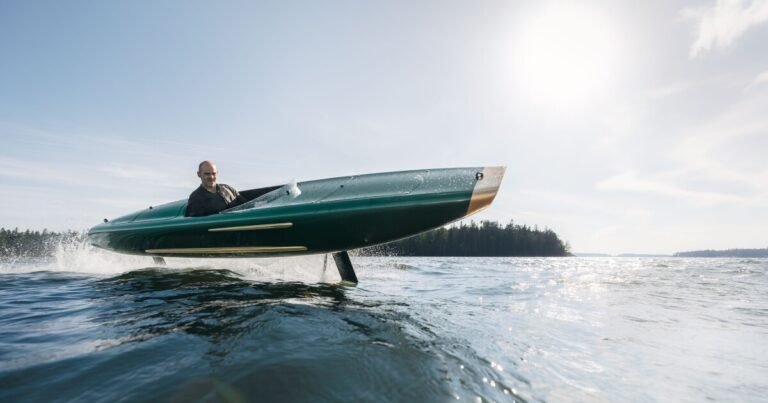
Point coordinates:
[[329, 215]]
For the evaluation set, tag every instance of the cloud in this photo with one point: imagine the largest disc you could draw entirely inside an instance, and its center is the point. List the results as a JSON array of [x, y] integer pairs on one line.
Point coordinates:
[[132, 173], [81, 176], [761, 78], [35, 171], [721, 24], [728, 147], [126, 172], [713, 158], [630, 181]]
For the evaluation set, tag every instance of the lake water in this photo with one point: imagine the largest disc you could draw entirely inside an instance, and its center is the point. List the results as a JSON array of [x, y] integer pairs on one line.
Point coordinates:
[[93, 326]]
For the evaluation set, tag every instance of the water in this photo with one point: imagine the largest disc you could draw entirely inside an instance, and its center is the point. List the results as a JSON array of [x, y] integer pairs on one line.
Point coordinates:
[[93, 326]]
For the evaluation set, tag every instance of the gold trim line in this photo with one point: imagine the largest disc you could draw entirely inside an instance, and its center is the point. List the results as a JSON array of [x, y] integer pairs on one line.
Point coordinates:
[[485, 189], [229, 249], [253, 227]]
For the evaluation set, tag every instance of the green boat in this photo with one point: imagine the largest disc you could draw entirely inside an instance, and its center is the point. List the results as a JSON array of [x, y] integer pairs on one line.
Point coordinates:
[[313, 217]]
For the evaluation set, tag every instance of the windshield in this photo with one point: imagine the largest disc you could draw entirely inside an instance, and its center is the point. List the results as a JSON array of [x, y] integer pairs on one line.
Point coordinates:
[[287, 191]]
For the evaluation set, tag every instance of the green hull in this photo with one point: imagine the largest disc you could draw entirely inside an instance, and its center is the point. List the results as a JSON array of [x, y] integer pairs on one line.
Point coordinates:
[[329, 215]]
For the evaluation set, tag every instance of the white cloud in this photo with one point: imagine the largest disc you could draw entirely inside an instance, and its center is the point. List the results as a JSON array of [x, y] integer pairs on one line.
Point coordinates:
[[761, 78], [123, 172], [721, 24], [37, 171], [727, 147], [713, 159], [81, 176], [133, 173], [630, 181]]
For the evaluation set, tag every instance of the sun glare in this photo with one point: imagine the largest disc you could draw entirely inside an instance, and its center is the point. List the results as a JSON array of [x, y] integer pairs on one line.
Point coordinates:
[[565, 55]]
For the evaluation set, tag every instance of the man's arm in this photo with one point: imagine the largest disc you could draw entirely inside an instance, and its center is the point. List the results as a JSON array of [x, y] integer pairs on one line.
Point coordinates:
[[238, 198]]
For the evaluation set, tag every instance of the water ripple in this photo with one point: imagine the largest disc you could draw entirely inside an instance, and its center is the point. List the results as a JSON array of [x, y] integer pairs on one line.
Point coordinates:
[[414, 329]]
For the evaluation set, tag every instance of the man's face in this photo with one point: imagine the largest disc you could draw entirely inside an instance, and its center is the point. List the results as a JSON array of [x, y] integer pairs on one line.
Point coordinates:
[[207, 174]]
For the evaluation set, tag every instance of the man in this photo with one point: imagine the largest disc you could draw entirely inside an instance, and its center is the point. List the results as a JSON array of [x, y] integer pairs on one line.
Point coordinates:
[[210, 197]]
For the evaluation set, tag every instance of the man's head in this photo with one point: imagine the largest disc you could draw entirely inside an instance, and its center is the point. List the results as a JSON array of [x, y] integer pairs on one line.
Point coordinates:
[[206, 171]]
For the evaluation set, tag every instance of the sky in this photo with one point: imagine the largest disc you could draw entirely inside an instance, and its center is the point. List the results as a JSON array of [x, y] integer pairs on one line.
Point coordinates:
[[625, 127]]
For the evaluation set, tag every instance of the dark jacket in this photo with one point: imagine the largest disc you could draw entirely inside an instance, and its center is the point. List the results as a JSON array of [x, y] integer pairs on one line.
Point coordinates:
[[202, 202]]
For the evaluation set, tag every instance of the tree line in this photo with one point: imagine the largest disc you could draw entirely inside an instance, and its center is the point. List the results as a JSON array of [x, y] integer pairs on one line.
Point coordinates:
[[488, 238], [747, 253], [15, 243]]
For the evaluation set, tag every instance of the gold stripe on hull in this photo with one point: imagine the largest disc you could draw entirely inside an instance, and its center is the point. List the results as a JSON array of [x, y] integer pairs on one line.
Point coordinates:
[[485, 189], [253, 227], [229, 249]]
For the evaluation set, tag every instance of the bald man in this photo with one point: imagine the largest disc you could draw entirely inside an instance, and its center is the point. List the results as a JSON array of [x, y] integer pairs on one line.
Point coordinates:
[[211, 197]]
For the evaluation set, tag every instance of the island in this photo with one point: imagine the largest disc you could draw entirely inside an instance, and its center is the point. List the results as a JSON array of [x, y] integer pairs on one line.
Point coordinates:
[[744, 253]]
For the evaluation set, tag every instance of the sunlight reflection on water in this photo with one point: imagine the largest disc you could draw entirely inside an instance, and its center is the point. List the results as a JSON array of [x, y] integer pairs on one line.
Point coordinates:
[[426, 329]]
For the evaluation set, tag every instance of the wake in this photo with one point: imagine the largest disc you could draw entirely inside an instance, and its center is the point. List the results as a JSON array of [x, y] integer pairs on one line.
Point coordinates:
[[78, 256]]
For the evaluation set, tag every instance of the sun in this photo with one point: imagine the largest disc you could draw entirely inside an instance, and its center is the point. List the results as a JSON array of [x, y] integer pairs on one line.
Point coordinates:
[[566, 55]]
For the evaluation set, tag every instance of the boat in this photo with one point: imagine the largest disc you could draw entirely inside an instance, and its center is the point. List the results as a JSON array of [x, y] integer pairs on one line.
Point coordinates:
[[313, 217]]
